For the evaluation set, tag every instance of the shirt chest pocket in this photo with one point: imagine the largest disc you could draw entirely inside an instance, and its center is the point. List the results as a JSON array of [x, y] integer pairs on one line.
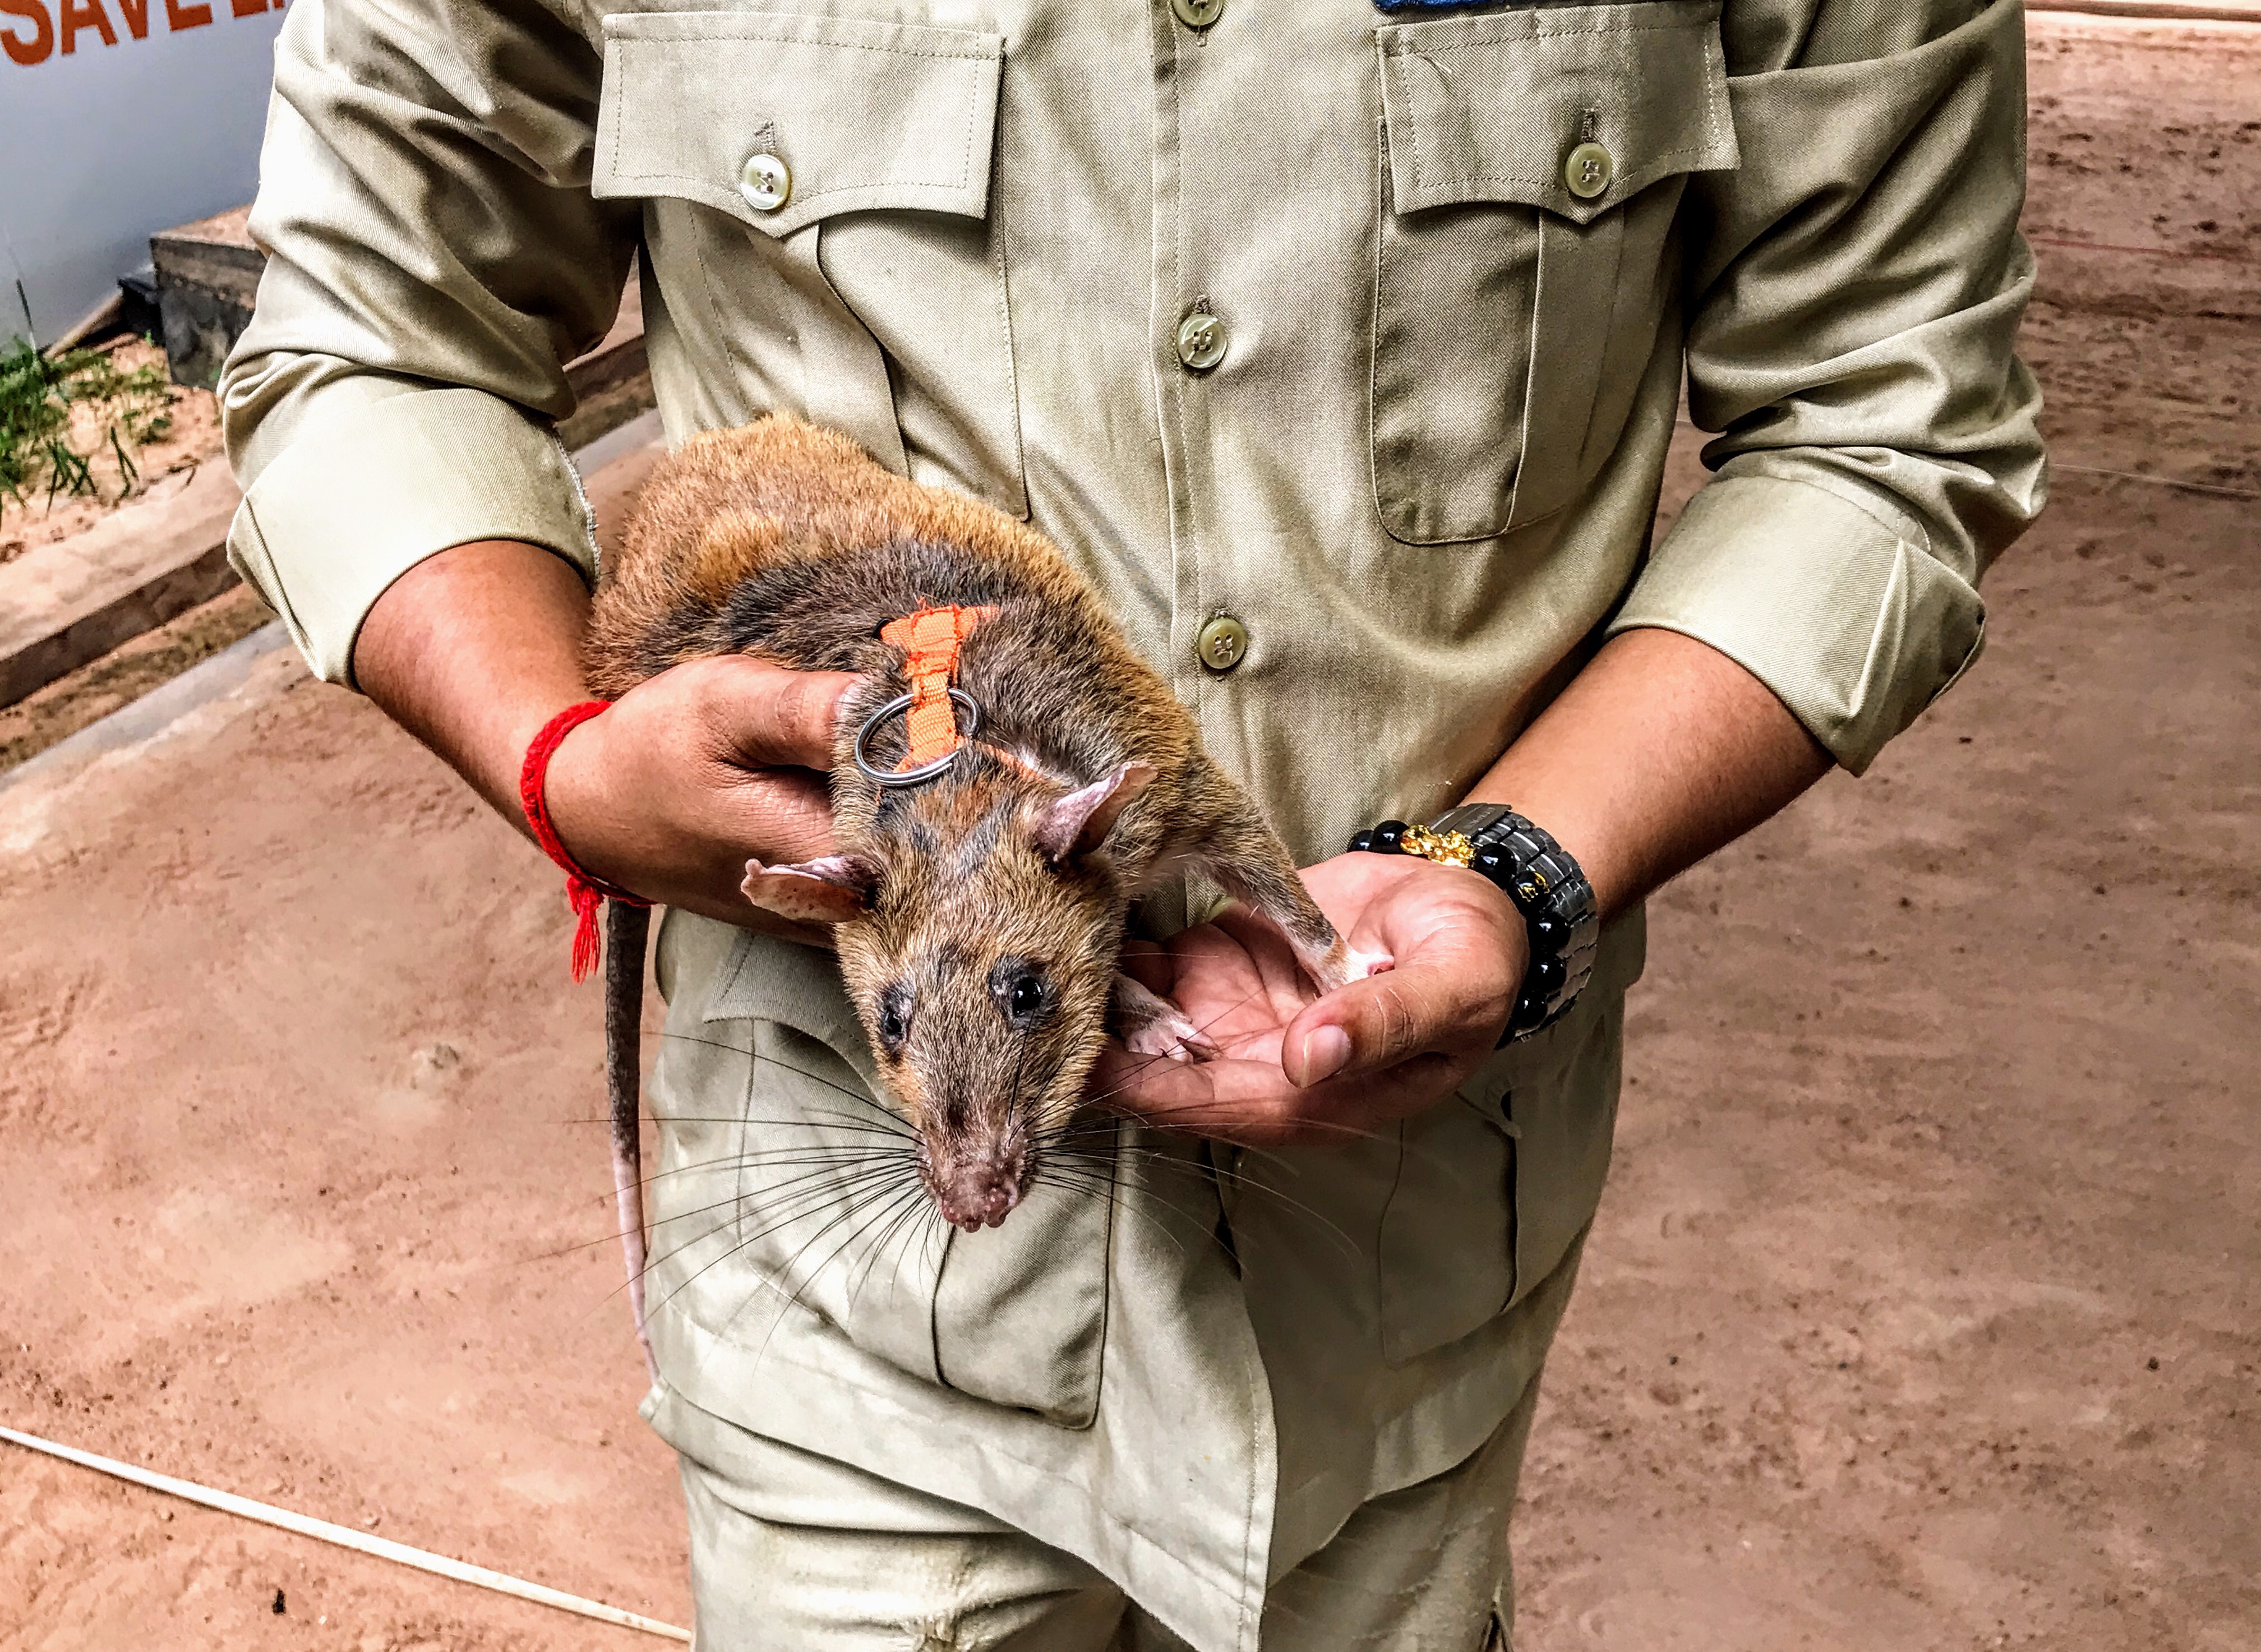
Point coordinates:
[[1533, 162], [817, 219]]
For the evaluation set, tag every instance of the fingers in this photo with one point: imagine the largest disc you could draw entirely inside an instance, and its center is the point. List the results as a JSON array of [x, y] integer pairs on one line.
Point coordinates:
[[762, 715], [1268, 954], [782, 815], [664, 794], [1387, 1020], [1379, 1022], [1449, 996], [1241, 1096], [1296, 1071]]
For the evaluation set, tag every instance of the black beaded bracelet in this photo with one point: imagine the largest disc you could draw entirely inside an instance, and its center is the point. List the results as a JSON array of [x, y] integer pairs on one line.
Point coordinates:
[[1537, 874]]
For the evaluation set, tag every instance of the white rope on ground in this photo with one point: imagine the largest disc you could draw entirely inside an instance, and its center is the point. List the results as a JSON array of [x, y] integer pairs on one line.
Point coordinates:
[[2154, 10], [2159, 481], [345, 1537]]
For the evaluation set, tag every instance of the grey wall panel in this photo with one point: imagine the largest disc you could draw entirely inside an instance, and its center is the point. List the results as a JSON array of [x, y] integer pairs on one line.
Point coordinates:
[[104, 145]]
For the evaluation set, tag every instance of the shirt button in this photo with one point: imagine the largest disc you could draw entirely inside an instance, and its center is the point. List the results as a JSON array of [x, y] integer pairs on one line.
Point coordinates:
[[1589, 170], [765, 183], [1224, 640], [1200, 341], [1197, 14]]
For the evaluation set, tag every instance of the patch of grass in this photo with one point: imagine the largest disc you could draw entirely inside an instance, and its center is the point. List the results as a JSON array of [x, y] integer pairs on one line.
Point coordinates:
[[44, 445]]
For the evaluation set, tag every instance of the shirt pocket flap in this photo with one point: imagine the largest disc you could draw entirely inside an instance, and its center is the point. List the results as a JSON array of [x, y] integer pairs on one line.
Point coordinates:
[[1018, 1318], [865, 115], [1490, 108]]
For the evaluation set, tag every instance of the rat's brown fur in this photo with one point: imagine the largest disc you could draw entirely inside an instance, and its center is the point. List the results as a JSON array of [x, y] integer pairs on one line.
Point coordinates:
[[1012, 872]]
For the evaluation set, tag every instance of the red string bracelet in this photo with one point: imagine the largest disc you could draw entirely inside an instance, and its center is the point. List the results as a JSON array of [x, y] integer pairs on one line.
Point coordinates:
[[585, 893]]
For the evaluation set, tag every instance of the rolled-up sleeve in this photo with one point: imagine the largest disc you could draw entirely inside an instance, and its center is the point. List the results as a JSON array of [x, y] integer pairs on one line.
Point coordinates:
[[1853, 296], [434, 259]]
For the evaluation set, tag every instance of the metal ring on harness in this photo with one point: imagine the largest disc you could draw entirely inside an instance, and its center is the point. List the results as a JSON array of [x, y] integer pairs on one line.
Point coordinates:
[[926, 770]]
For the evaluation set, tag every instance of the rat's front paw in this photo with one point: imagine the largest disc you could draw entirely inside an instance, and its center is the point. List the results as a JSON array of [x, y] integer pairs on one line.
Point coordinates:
[[1150, 1025], [1362, 964], [1340, 966]]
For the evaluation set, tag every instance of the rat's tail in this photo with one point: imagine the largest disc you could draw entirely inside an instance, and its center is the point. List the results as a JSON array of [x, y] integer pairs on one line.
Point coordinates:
[[627, 929]]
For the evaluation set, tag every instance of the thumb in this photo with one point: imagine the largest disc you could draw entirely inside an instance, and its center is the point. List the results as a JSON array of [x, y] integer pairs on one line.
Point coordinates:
[[1417, 1008], [767, 716]]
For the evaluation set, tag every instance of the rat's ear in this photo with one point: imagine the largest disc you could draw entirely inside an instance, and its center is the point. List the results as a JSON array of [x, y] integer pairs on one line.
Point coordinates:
[[1078, 823], [826, 891]]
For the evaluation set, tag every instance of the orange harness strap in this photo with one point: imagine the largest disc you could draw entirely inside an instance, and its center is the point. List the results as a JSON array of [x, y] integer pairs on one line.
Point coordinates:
[[929, 640]]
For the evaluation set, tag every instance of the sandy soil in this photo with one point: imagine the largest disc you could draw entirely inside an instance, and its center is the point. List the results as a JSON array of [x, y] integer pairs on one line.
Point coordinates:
[[1922, 1311], [192, 439]]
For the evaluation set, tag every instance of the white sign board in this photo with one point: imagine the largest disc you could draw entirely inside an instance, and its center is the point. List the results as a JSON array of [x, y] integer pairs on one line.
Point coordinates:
[[120, 119]]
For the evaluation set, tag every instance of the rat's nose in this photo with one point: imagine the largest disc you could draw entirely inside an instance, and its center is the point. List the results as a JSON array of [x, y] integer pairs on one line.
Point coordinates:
[[979, 1194]]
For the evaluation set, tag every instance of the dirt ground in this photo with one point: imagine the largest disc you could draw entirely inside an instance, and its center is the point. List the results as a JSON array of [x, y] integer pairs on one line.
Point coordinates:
[[1922, 1311]]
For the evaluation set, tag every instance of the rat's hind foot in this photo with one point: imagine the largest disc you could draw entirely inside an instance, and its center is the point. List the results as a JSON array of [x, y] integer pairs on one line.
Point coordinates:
[[1150, 1025]]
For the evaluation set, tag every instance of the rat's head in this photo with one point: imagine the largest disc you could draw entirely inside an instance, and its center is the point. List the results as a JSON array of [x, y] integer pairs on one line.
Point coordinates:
[[978, 929]]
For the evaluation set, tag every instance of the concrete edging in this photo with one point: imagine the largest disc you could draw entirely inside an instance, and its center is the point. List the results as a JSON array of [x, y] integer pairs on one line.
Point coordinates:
[[223, 672], [64, 605], [2151, 10], [157, 710]]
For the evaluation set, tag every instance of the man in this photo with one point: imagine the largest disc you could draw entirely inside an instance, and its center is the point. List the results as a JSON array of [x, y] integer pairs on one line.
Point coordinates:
[[1340, 348]]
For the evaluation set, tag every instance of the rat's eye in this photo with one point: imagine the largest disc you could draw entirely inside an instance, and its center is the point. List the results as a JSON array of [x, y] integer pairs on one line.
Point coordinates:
[[1021, 991], [894, 1018]]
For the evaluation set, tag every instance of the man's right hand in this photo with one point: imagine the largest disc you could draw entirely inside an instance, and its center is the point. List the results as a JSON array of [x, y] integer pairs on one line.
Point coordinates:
[[670, 793], [695, 770]]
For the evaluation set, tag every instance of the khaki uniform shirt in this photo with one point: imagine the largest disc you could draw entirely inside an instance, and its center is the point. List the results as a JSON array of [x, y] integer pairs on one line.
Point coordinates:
[[1457, 261]]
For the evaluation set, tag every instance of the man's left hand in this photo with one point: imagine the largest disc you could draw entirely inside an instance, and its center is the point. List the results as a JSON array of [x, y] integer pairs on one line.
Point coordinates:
[[1296, 1068]]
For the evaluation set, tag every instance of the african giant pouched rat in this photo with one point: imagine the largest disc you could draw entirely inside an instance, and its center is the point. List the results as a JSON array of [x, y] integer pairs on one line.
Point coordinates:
[[978, 914]]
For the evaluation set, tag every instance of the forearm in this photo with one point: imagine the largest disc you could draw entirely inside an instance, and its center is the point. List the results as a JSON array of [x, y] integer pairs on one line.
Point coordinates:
[[1661, 752], [472, 651], [692, 774]]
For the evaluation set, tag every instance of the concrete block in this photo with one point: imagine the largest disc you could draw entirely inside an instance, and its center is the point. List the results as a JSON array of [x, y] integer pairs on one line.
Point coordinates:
[[207, 279]]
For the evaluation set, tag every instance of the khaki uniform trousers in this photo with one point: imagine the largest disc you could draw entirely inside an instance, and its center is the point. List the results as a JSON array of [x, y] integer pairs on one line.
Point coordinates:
[[794, 1552]]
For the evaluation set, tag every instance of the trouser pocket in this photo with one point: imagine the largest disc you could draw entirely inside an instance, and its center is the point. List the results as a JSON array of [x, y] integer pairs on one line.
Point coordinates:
[[1495, 1183]]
